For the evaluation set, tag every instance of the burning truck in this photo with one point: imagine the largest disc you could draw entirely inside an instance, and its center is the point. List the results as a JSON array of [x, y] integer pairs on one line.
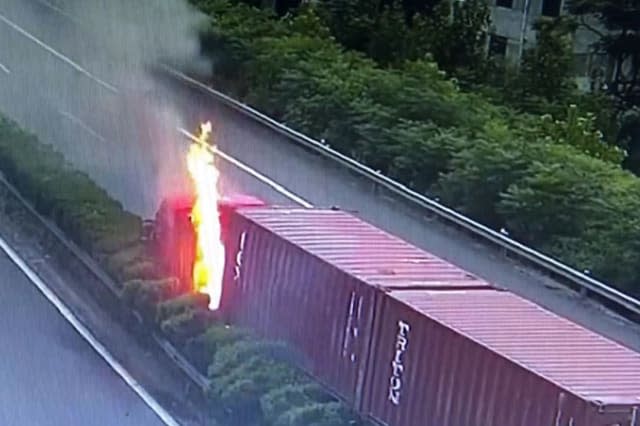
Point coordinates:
[[188, 228], [404, 337]]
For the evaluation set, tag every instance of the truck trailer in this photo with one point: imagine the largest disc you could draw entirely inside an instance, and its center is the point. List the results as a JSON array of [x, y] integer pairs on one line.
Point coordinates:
[[405, 337]]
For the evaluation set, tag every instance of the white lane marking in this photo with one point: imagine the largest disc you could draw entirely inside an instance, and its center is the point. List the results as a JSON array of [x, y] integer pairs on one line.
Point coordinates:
[[57, 9], [4, 69], [262, 178], [56, 53], [166, 418], [71, 18], [82, 125]]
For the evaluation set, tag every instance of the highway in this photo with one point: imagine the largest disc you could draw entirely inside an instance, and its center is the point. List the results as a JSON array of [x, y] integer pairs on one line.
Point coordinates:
[[126, 140], [49, 374]]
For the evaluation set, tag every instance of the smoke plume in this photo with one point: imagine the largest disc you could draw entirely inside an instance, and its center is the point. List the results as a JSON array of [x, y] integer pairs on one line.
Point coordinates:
[[114, 120]]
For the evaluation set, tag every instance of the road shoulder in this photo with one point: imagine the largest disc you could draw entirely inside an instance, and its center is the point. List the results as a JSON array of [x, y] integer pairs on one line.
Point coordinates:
[[100, 312]]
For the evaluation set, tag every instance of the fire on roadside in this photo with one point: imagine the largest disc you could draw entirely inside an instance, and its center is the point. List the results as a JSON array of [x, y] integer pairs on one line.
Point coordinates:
[[209, 259]]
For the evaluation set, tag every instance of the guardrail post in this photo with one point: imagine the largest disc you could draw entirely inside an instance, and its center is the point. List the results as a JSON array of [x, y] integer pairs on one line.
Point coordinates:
[[584, 291], [505, 250]]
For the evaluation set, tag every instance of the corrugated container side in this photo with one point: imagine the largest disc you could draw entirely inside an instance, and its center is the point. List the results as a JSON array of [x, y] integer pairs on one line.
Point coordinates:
[[362, 250], [423, 372], [175, 239], [285, 293], [312, 277]]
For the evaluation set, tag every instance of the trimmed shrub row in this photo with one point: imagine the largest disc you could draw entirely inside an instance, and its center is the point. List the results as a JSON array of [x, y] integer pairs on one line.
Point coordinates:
[[553, 184], [253, 380]]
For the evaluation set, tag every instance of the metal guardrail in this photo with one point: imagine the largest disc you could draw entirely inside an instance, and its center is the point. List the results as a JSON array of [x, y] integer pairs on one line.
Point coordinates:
[[544, 263]]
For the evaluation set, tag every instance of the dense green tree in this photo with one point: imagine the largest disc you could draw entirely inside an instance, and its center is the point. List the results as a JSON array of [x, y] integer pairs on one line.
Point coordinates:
[[422, 153], [576, 129], [553, 200], [610, 246], [545, 82], [461, 45], [550, 179], [390, 32], [629, 137], [481, 173], [351, 21]]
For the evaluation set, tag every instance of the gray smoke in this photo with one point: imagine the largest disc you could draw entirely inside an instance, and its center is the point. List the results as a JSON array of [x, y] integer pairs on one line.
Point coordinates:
[[126, 141], [141, 32]]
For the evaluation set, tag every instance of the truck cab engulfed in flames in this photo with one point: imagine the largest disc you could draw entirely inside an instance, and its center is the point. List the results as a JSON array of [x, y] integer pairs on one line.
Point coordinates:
[[173, 234]]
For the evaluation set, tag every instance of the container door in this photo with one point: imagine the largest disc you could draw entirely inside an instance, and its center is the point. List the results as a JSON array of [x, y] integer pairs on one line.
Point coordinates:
[[616, 415]]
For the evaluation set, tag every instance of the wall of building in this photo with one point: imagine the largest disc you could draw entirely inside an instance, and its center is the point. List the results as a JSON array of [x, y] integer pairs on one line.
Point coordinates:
[[507, 18]]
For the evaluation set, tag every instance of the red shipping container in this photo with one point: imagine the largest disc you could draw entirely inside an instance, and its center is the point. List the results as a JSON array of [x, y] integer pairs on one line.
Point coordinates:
[[490, 358], [175, 238], [313, 278]]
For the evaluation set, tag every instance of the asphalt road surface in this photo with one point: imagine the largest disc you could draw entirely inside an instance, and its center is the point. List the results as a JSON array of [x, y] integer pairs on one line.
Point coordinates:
[[49, 374], [61, 86]]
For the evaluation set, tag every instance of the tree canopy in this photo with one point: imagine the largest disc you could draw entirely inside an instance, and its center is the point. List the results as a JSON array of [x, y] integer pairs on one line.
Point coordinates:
[[551, 179]]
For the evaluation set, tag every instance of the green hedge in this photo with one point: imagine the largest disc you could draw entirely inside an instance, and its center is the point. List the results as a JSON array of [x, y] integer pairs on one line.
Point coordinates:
[[83, 210], [553, 184], [243, 368]]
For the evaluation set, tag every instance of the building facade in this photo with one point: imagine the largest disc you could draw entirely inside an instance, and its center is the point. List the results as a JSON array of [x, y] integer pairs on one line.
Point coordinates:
[[512, 32]]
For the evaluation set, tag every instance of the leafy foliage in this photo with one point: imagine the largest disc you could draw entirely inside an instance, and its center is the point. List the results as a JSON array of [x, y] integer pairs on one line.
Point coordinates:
[[391, 33], [245, 371], [82, 209], [569, 196], [145, 295], [422, 153], [629, 137], [577, 130], [254, 378], [278, 401], [181, 327], [184, 317], [527, 172], [316, 414], [202, 348], [230, 357], [481, 173], [546, 75], [182, 304], [543, 83], [116, 263]]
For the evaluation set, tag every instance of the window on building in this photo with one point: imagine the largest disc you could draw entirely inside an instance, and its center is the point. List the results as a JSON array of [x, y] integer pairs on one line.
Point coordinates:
[[497, 46], [505, 3], [551, 7]]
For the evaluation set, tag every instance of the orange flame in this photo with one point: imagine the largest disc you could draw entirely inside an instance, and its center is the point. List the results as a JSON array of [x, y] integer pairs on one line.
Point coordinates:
[[209, 261]]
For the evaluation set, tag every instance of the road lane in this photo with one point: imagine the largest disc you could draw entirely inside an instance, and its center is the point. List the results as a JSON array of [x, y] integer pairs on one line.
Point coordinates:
[[51, 97], [49, 374], [56, 53], [305, 174]]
